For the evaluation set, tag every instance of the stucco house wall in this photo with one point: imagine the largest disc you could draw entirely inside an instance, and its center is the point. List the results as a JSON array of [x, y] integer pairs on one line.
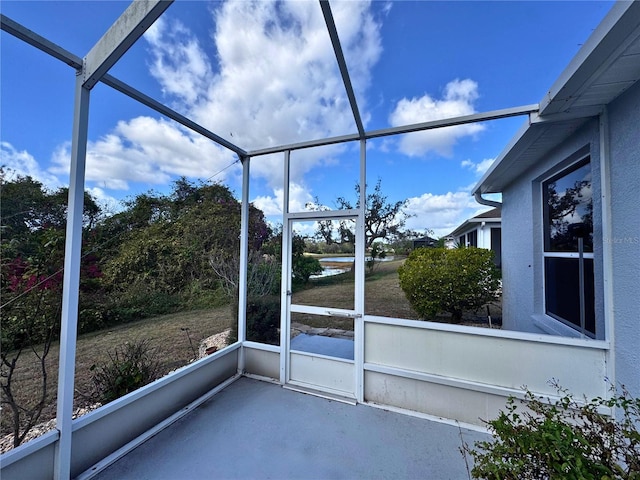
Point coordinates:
[[624, 122], [523, 290]]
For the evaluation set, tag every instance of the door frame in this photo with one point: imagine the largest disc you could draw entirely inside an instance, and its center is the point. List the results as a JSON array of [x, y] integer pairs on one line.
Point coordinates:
[[285, 322], [346, 381]]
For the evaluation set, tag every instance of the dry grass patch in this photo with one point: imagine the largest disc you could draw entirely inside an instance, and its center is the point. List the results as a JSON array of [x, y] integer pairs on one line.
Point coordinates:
[[167, 334]]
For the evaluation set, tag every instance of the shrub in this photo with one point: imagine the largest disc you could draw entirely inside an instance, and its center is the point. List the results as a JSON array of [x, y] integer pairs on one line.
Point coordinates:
[[130, 366], [263, 272], [303, 267], [441, 280], [561, 440], [263, 320]]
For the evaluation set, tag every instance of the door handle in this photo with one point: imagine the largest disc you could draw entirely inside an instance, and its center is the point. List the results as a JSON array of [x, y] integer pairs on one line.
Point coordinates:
[[343, 314]]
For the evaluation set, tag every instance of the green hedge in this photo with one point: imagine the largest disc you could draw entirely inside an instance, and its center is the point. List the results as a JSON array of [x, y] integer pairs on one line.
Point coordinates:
[[437, 280]]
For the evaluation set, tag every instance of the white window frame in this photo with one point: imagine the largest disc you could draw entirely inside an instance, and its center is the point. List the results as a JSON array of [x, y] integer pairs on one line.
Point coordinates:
[[545, 254]]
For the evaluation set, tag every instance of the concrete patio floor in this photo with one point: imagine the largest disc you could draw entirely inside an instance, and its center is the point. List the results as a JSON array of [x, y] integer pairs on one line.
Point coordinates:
[[255, 429]]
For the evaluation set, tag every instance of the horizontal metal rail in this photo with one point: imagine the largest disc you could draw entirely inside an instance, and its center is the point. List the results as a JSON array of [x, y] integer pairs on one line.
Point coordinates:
[[41, 43], [172, 114], [416, 127]]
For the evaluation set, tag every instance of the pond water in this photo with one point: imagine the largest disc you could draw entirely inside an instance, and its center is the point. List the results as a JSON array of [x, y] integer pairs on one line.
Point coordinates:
[[388, 258], [329, 270]]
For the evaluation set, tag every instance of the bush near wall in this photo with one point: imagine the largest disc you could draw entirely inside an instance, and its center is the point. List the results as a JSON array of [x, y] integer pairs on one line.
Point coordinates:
[[564, 439], [437, 280]]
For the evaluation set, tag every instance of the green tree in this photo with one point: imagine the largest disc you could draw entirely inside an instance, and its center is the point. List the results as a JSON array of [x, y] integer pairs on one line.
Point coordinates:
[[302, 266], [32, 248], [439, 280], [376, 255], [383, 219], [168, 244]]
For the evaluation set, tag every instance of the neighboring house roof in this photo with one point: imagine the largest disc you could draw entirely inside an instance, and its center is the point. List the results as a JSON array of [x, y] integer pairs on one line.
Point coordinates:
[[606, 65], [493, 215], [426, 240]]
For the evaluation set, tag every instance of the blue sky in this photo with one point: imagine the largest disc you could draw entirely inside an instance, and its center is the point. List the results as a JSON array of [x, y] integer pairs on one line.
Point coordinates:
[[263, 74]]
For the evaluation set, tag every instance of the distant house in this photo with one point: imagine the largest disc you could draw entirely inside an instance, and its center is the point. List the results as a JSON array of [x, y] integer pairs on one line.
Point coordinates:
[[424, 242], [482, 231], [570, 184]]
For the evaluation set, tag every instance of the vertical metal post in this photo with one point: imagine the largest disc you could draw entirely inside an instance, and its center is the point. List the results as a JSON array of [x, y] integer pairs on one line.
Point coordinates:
[[581, 285], [359, 276], [71, 281], [285, 285], [607, 246], [243, 265]]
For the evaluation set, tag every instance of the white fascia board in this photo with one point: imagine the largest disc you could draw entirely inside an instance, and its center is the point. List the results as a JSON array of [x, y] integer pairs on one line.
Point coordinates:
[[480, 186], [472, 224], [598, 52], [125, 31]]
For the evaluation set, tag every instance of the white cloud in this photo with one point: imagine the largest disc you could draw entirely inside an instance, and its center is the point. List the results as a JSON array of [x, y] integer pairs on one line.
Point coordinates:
[[270, 206], [178, 60], [266, 76], [107, 203], [299, 197], [23, 163], [147, 150], [275, 80], [458, 99], [440, 213], [478, 167]]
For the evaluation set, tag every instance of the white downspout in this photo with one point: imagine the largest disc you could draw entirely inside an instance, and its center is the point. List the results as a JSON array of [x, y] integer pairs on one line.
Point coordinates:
[[484, 201], [607, 246]]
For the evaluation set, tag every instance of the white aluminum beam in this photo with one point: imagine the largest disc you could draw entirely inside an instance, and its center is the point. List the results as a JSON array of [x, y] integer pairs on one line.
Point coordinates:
[[302, 145], [342, 64], [74, 61], [417, 127], [41, 43], [243, 264], [285, 280], [130, 26], [172, 114], [449, 122], [71, 281], [361, 234], [46, 46]]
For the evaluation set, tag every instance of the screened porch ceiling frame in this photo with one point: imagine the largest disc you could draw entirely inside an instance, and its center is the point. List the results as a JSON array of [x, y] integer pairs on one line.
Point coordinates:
[[79, 64]]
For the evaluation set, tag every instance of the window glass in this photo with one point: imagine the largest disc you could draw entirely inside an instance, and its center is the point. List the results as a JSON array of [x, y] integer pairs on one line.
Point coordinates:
[[569, 210], [568, 248], [562, 293], [472, 238]]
